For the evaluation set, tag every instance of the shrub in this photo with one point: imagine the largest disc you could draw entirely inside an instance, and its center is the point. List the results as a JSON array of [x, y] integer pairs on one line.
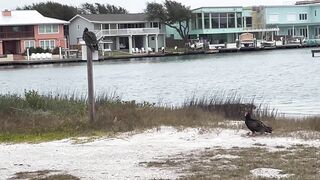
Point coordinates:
[[39, 50], [55, 50], [47, 51], [34, 100], [31, 50]]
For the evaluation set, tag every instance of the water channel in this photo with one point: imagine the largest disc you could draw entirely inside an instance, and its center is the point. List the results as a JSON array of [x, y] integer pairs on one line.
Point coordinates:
[[288, 80]]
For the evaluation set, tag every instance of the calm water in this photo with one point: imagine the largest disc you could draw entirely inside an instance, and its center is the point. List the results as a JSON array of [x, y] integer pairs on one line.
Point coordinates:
[[288, 80]]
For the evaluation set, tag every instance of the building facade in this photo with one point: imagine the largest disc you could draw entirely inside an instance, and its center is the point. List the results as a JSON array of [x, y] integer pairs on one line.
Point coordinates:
[[295, 20], [225, 24], [125, 32], [23, 29]]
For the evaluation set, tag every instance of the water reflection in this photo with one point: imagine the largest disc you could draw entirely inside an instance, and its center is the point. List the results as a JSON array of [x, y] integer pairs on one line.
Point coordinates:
[[285, 79]]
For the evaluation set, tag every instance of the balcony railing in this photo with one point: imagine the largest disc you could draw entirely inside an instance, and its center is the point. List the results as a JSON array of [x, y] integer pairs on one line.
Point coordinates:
[[126, 32], [16, 35]]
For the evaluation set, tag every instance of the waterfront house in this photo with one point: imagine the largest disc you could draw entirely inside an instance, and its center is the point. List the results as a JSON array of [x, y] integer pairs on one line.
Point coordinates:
[[127, 32], [294, 20], [307, 2], [21, 29], [220, 25]]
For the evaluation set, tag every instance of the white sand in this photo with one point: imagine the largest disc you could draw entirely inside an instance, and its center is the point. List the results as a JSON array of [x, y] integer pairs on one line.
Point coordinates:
[[269, 173], [119, 158]]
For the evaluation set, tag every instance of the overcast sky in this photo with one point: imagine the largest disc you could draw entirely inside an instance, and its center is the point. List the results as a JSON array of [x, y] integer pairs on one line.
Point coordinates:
[[135, 6]]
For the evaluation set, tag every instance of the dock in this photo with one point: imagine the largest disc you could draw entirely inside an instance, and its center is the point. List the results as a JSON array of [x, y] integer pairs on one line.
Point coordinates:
[[314, 51], [146, 55]]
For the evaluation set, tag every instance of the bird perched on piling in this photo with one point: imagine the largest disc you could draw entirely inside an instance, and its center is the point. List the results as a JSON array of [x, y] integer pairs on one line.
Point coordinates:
[[255, 125], [90, 39]]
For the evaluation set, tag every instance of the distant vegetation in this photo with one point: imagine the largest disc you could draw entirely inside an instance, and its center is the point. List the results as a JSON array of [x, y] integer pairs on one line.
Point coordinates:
[[172, 14], [66, 12], [41, 50], [34, 117]]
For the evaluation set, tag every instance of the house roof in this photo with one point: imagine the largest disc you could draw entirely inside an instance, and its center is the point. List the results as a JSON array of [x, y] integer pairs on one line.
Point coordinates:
[[27, 17], [140, 17]]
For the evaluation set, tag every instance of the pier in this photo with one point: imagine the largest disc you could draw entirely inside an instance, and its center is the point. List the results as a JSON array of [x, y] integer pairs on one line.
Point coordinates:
[[127, 57], [314, 51]]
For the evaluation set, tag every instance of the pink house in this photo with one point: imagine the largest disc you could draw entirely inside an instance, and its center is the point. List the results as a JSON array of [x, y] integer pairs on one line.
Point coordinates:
[[21, 29]]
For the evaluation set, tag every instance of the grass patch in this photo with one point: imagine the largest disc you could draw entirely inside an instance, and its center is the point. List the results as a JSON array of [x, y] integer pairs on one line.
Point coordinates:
[[36, 118], [116, 54], [302, 162], [44, 175]]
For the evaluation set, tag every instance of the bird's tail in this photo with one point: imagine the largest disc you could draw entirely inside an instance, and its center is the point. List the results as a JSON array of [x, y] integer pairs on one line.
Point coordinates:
[[268, 129]]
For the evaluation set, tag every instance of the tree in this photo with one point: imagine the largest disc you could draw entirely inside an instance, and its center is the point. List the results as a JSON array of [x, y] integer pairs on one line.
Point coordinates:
[[65, 12], [98, 8], [53, 10], [172, 14]]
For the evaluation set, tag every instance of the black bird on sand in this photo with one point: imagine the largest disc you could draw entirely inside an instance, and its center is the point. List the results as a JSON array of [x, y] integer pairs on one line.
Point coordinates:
[[256, 125], [90, 39]]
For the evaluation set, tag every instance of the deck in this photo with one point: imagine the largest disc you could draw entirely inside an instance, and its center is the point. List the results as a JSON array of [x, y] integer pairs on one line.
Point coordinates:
[[314, 51]]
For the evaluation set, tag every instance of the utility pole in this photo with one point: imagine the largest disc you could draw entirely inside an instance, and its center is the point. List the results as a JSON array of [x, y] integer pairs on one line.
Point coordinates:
[[91, 102]]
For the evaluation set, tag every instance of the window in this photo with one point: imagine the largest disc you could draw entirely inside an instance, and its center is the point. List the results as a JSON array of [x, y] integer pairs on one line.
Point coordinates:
[[29, 44], [231, 20], [215, 20], [239, 20], [199, 16], [152, 38], [206, 21], [48, 29], [97, 26], [105, 26], [152, 25], [303, 32], [194, 21], [248, 21], [47, 44], [303, 17], [143, 25], [315, 12], [131, 26], [78, 27], [273, 18], [290, 32], [15, 29], [155, 24], [317, 32], [223, 20], [291, 17]]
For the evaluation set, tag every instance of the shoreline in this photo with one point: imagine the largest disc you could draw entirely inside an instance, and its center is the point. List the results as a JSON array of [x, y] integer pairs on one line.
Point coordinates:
[[79, 60], [151, 154]]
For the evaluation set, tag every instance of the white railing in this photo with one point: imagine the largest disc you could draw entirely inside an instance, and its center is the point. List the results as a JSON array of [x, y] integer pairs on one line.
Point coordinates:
[[250, 29], [122, 32], [98, 34]]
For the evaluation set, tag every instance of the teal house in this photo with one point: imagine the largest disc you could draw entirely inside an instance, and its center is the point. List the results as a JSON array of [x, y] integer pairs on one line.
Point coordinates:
[[225, 24], [295, 20]]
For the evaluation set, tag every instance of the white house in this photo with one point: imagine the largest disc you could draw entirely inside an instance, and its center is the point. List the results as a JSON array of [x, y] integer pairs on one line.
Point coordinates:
[[21, 29], [126, 32]]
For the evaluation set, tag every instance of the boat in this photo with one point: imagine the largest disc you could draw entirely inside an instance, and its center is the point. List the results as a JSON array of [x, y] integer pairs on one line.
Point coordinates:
[[247, 41]]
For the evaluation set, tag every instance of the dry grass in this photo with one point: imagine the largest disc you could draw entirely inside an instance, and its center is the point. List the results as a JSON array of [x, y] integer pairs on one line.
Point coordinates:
[[35, 117], [302, 162], [43, 175]]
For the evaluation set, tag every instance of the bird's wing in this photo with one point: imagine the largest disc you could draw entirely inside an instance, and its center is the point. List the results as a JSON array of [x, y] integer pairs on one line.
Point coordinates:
[[256, 125], [93, 37], [262, 127]]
